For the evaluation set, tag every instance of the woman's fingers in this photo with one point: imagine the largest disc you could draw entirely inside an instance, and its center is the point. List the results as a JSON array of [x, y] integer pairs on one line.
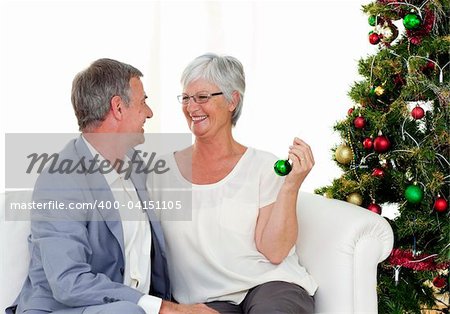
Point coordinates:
[[301, 153], [304, 147]]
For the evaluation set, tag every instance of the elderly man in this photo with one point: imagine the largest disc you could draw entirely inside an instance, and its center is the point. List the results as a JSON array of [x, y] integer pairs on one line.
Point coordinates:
[[95, 260]]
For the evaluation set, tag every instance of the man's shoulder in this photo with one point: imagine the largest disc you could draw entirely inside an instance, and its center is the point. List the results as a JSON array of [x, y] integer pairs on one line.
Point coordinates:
[[62, 169]]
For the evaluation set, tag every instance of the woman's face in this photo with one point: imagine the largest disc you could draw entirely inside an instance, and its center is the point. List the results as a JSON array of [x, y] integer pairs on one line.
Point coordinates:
[[211, 117]]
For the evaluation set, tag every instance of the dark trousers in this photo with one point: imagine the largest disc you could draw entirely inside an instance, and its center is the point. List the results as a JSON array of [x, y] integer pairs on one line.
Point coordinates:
[[273, 297]]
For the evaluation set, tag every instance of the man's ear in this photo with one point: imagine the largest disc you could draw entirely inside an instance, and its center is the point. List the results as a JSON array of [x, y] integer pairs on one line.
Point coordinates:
[[235, 98], [116, 107]]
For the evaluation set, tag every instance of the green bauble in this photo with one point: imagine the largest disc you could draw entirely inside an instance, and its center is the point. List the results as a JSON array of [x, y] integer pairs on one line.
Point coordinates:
[[411, 21], [282, 167], [372, 20], [413, 194]]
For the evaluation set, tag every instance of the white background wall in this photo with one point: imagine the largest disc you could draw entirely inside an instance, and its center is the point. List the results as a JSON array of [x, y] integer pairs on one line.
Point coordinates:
[[300, 59]]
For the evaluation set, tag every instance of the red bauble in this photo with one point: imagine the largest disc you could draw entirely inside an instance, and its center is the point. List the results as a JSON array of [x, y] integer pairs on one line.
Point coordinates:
[[440, 205], [373, 207], [377, 172], [430, 65], [418, 113], [367, 143], [374, 38], [439, 282], [399, 80], [415, 40], [381, 144], [359, 122], [350, 111]]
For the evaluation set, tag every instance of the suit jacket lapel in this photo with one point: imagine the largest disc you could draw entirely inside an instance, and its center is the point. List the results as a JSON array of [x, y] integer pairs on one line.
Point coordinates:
[[160, 284], [101, 191], [139, 181]]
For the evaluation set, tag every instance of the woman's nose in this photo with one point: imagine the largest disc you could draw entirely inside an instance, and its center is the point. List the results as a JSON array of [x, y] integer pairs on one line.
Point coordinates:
[[192, 106]]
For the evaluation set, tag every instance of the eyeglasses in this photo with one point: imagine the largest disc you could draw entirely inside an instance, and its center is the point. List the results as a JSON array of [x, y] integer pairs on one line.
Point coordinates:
[[199, 98]]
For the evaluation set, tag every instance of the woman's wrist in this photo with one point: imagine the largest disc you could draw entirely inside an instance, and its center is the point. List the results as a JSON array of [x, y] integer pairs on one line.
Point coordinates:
[[290, 187]]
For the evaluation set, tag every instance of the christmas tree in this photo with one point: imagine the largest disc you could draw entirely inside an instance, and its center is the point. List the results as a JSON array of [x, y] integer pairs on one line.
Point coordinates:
[[395, 148]]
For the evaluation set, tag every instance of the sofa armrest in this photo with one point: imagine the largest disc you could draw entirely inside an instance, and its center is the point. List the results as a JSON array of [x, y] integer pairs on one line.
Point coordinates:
[[15, 257], [341, 244]]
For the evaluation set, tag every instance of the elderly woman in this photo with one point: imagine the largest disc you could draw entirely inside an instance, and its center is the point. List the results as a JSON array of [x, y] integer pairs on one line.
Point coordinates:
[[236, 254]]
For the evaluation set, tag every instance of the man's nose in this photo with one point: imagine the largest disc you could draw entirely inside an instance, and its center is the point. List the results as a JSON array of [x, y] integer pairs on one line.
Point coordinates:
[[149, 112]]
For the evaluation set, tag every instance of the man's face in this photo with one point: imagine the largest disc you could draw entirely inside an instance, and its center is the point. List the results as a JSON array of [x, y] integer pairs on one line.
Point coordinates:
[[137, 112]]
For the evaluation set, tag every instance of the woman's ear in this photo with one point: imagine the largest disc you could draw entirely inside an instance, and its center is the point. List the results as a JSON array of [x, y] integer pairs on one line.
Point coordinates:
[[116, 107], [235, 98]]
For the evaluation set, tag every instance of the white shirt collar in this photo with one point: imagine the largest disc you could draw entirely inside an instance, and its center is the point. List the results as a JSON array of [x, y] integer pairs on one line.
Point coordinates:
[[110, 176]]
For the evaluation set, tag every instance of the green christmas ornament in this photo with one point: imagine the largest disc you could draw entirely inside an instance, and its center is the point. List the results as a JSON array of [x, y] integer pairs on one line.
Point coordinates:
[[372, 20], [411, 21], [282, 167], [413, 194]]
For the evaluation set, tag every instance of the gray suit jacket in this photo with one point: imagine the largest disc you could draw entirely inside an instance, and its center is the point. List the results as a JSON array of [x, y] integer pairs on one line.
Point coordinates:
[[78, 260]]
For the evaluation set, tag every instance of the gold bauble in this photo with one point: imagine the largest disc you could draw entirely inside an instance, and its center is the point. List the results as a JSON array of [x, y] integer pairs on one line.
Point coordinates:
[[343, 154], [328, 194], [355, 198], [379, 90]]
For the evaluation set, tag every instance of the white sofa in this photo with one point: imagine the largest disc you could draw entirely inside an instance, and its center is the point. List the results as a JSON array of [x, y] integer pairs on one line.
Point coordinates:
[[339, 243]]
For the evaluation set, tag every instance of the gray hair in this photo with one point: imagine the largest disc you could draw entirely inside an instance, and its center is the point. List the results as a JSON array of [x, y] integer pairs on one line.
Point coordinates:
[[224, 71], [93, 89]]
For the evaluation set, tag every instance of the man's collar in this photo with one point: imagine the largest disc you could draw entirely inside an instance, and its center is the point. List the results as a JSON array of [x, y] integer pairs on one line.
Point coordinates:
[[110, 176]]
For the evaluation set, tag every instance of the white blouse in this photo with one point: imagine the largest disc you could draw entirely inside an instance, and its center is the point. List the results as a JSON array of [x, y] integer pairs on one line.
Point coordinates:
[[211, 250]]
